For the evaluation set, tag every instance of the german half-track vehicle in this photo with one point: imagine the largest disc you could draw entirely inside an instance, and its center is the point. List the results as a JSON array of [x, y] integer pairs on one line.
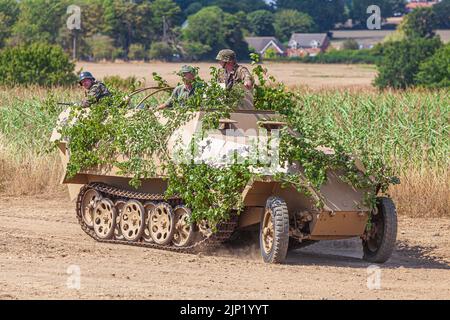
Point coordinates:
[[110, 210]]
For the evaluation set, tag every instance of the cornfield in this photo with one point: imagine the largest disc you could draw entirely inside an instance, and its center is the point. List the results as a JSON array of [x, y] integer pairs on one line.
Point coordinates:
[[409, 130]]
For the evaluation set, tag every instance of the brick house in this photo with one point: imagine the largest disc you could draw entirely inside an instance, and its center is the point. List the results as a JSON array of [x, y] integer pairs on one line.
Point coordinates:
[[414, 4], [263, 45], [302, 44]]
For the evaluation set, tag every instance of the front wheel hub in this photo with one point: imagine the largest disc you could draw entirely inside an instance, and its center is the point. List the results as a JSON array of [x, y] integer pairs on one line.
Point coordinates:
[[268, 232]]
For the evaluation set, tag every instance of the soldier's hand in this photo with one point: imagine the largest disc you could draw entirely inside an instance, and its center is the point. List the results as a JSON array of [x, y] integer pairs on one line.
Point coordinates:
[[85, 103], [248, 85]]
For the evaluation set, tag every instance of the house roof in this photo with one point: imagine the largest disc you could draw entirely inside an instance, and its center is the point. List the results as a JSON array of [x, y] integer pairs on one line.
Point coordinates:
[[260, 44], [414, 5], [306, 40]]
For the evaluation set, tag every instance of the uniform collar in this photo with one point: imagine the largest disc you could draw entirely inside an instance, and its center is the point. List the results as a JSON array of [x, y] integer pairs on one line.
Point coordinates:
[[93, 84], [234, 69]]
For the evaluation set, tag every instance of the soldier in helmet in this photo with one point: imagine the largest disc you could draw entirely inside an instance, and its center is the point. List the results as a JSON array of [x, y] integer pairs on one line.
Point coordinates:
[[95, 90], [232, 72], [183, 91]]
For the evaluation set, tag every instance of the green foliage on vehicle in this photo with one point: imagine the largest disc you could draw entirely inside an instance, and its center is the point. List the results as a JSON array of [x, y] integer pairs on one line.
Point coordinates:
[[112, 133]]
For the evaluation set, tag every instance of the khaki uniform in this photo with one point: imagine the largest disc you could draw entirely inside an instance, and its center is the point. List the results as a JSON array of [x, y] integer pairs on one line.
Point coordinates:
[[239, 74], [96, 92], [180, 93]]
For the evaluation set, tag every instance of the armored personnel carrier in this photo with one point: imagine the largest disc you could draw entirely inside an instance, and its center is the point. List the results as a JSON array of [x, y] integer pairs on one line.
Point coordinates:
[[111, 211]]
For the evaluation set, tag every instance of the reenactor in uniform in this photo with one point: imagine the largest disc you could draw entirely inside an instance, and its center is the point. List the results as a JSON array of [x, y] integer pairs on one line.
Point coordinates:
[[183, 91], [95, 90], [232, 72]]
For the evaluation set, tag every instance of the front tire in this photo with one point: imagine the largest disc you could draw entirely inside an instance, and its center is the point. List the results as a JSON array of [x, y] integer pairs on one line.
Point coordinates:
[[274, 231], [379, 241]]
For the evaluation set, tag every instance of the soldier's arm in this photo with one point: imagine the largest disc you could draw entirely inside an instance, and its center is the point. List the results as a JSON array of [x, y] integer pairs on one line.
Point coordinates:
[[91, 98], [248, 80], [169, 102], [88, 101], [95, 93], [221, 76], [165, 105]]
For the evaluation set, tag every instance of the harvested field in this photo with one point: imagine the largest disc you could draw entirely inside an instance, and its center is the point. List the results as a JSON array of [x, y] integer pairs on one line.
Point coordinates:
[[316, 76]]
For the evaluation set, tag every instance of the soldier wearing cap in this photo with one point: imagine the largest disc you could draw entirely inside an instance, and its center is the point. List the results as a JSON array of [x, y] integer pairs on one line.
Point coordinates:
[[95, 90], [183, 91], [232, 72]]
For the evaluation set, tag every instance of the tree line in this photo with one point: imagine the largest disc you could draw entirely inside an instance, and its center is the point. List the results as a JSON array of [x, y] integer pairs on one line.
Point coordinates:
[[414, 55], [34, 36], [161, 29]]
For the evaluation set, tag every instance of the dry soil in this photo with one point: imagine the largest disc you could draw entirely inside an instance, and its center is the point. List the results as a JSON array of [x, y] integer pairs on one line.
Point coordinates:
[[40, 240]]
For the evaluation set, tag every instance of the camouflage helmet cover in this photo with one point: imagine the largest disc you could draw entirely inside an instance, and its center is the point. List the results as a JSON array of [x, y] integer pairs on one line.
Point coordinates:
[[226, 55], [186, 69], [85, 75]]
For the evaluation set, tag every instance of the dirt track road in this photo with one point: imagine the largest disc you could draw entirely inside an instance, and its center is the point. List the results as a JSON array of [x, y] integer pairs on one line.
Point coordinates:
[[40, 239]]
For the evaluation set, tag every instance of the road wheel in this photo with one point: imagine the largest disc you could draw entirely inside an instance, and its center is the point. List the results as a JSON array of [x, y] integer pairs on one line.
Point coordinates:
[[162, 224], [274, 231], [132, 222], [105, 219], [148, 206], [119, 204], [90, 198], [379, 240], [184, 230]]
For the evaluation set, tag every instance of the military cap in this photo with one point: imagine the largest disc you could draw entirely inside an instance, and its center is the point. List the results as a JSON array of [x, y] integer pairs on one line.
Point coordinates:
[[226, 55], [186, 69]]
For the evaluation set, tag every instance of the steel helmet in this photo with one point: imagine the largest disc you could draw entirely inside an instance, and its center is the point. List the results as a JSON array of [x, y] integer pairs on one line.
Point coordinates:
[[85, 75], [187, 69], [226, 55]]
